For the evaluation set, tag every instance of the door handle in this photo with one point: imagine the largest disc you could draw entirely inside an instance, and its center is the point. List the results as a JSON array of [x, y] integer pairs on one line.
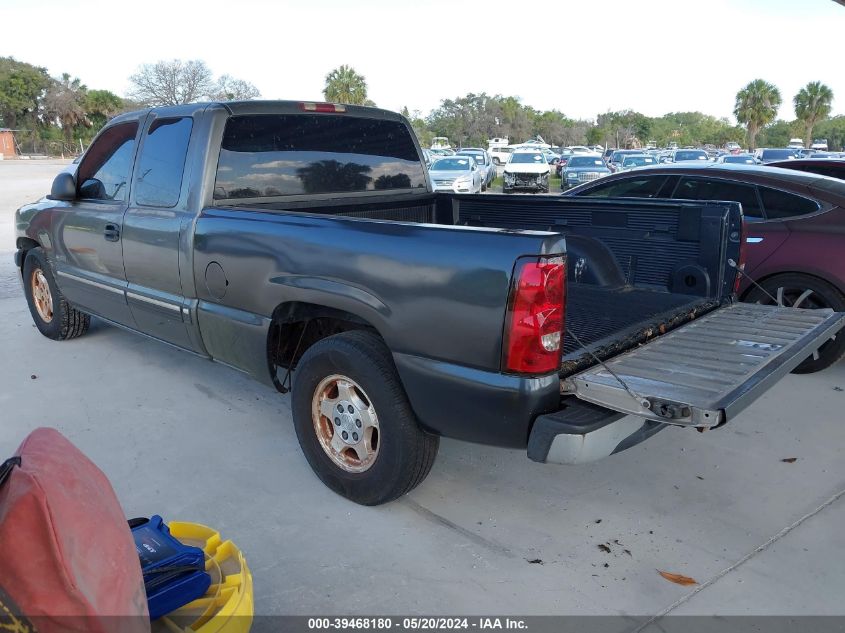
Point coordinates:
[[111, 233]]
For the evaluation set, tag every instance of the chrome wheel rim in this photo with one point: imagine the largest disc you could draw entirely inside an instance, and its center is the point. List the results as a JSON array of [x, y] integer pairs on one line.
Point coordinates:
[[41, 295], [346, 423]]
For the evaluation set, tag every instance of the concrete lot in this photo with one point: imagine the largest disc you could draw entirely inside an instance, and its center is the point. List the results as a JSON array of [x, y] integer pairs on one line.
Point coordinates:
[[192, 440]]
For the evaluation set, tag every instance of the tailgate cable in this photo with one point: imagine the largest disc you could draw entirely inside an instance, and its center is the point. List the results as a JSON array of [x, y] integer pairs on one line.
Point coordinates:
[[643, 402], [733, 265]]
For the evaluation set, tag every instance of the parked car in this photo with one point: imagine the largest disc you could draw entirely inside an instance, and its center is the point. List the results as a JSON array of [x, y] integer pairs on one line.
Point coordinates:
[[795, 143], [551, 157], [428, 157], [633, 161], [732, 147], [459, 174], [737, 159], [833, 167], [297, 243], [484, 162], [795, 229], [582, 168], [683, 155], [500, 154], [565, 155], [526, 170], [819, 143], [616, 157], [771, 154]]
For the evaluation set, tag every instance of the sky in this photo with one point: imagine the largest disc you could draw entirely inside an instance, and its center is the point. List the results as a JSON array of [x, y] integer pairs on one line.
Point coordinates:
[[582, 57]]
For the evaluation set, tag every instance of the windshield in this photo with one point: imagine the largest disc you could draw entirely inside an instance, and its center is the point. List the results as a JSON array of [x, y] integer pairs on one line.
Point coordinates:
[[585, 161], [452, 164], [778, 153], [691, 155], [479, 157], [617, 157], [528, 157], [743, 160], [638, 161]]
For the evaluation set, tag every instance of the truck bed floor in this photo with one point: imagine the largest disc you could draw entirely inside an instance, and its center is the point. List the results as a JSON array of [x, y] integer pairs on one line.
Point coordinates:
[[601, 317]]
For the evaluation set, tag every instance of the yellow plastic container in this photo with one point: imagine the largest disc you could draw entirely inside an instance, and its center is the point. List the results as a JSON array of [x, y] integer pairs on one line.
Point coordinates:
[[227, 606]]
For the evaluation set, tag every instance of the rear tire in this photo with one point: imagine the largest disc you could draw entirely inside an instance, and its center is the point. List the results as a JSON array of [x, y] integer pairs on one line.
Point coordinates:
[[54, 317], [805, 291], [354, 373]]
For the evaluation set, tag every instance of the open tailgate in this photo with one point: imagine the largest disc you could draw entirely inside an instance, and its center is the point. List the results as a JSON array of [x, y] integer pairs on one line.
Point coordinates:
[[704, 373]]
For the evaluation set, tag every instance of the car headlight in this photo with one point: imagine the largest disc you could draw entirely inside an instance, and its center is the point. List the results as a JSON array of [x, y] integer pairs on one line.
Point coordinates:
[[571, 175]]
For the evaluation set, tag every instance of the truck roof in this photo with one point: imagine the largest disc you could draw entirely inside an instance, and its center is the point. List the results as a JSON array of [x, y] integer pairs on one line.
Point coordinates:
[[265, 107]]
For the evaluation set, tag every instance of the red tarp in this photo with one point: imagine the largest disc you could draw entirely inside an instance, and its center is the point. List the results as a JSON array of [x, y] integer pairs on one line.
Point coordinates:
[[67, 558]]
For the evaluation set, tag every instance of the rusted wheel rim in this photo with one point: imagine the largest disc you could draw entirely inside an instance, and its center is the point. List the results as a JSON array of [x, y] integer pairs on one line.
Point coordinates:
[[41, 295], [346, 423]]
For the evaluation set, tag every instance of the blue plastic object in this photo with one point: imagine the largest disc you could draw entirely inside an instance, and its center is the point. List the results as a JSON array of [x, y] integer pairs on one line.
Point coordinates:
[[174, 574]]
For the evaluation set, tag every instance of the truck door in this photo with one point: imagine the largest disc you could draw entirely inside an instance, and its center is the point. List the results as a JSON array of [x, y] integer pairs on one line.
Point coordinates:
[[87, 233], [156, 219]]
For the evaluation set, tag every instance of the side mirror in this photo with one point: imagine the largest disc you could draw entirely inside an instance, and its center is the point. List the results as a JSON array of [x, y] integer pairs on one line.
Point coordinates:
[[64, 187]]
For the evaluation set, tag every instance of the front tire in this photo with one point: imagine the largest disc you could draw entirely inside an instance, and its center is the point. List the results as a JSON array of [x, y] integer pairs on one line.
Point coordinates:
[[354, 422], [803, 291], [54, 317]]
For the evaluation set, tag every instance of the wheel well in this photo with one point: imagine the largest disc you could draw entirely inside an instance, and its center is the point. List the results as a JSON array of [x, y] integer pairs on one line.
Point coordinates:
[[789, 272], [296, 326], [26, 244]]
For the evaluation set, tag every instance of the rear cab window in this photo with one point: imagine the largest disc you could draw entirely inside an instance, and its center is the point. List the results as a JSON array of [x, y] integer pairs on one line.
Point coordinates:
[[302, 155]]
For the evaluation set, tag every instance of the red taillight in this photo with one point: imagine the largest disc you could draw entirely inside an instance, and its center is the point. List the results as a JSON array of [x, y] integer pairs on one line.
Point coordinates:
[[322, 107], [743, 254], [534, 323]]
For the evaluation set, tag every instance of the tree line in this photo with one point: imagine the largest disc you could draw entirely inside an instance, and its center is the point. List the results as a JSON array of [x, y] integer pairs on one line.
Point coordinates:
[[472, 119], [61, 115], [61, 112]]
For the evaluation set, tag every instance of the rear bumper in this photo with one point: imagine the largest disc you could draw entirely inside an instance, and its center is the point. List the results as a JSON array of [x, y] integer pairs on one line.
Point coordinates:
[[582, 432], [475, 405]]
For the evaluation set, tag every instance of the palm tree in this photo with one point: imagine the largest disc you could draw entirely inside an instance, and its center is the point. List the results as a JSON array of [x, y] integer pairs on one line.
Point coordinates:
[[756, 106], [65, 103], [812, 104], [344, 85]]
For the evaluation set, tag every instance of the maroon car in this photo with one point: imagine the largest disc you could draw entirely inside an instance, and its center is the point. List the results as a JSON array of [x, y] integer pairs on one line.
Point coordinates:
[[795, 229], [833, 167]]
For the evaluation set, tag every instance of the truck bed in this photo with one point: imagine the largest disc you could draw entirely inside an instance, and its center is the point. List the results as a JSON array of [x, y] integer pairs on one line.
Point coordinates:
[[646, 267]]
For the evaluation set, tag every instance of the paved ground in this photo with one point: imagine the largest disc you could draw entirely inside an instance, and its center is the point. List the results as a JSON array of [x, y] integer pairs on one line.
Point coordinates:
[[193, 440]]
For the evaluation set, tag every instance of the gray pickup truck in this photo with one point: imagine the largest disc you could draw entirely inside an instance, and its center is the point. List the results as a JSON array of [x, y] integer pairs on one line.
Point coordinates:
[[301, 243]]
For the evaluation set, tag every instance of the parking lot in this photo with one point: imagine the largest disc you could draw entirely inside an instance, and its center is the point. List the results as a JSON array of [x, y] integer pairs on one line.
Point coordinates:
[[488, 532]]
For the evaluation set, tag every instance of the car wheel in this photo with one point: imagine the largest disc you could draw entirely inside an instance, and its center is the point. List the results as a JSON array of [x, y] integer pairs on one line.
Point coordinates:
[[54, 317], [354, 422], [803, 291]]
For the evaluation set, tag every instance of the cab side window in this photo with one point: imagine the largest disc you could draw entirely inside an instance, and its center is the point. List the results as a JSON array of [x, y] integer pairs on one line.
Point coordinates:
[[104, 172], [162, 162]]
